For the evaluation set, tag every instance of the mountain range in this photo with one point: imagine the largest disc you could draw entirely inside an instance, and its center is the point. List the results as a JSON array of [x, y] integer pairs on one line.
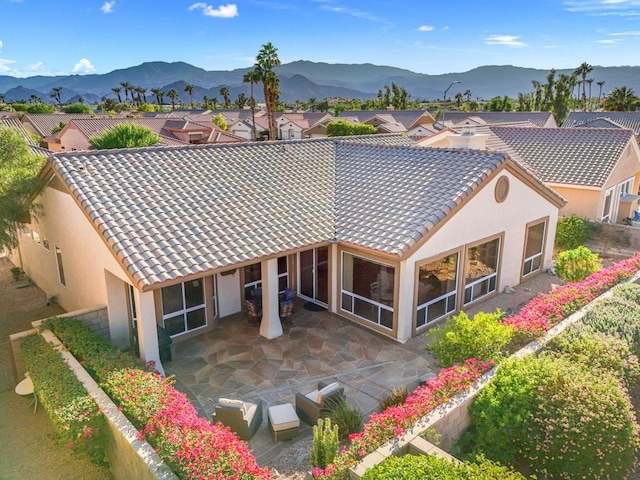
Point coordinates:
[[301, 80]]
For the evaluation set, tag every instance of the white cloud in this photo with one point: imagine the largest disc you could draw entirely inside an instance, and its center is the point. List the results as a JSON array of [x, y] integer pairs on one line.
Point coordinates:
[[83, 66], [609, 41], [425, 28], [107, 7], [626, 34], [507, 40], [604, 7], [223, 11], [446, 27]]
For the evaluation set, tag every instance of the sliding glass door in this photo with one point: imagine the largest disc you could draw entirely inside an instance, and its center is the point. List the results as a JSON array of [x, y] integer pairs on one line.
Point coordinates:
[[314, 275]]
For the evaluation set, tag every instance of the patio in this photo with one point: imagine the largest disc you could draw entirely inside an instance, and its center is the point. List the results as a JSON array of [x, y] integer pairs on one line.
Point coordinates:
[[234, 361]]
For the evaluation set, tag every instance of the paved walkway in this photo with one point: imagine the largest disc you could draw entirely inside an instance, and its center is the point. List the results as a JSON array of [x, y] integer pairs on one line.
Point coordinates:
[[234, 361]]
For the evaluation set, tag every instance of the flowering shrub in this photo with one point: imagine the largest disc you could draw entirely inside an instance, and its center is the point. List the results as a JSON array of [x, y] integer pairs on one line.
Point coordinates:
[[557, 419], [420, 467], [461, 337], [192, 447], [572, 231], [74, 414], [393, 421], [548, 309], [577, 264]]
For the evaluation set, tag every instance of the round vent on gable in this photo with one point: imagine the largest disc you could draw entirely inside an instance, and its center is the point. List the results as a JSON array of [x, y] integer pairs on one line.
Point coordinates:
[[502, 189]]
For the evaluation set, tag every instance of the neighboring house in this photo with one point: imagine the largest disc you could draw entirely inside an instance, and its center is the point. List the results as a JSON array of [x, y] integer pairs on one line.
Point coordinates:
[[539, 119], [377, 230], [395, 121], [293, 126], [44, 124], [16, 124], [629, 120], [77, 133], [597, 170]]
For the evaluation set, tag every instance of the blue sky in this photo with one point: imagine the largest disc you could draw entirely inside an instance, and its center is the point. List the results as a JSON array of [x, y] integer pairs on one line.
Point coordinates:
[[45, 37]]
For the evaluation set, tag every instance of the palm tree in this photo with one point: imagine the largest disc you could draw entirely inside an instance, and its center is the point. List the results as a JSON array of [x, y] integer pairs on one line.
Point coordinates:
[[173, 94], [621, 99], [55, 94], [143, 91], [34, 99], [252, 77], [189, 89], [117, 91], [312, 103], [159, 95], [241, 101], [266, 61], [459, 99], [589, 82], [126, 86], [2, 98], [224, 91], [467, 93], [600, 84], [583, 70]]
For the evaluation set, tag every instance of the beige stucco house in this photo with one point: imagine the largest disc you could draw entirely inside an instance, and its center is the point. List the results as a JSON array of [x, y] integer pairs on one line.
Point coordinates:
[[597, 170], [386, 234]]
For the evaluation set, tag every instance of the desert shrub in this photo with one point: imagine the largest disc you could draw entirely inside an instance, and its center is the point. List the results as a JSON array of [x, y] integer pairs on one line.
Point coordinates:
[[124, 135], [577, 264], [616, 317], [482, 337], [627, 291], [395, 396], [557, 419], [325, 443], [78, 108], [572, 231], [419, 467], [73, 413], [597, 350], [348, 419]]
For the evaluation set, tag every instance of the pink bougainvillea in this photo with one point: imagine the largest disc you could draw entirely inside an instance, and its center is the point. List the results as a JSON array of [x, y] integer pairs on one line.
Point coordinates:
[[393, 421], [192, 446], [548, 309]]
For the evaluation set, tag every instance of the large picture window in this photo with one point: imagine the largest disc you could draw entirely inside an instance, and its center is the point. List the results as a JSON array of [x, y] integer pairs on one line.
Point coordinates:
[[368, 289], [481, 270], [437, 289], [534, 245], [183, 307]]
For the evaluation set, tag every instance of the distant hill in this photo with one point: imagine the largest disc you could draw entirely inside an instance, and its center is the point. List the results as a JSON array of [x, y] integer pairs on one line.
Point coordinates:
[[301, 80]]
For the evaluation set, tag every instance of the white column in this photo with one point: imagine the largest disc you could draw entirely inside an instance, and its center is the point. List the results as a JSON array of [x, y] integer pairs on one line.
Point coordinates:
[[270, 326], [334, 279], [405, 307], [147, 328], [118, 310]]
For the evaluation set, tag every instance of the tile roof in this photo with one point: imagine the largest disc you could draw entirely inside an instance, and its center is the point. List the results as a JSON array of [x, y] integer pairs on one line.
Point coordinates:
[[539, 119], [408, 118], [630, 120], [575, 156], [172, 212], [16, 124], [44, 123]]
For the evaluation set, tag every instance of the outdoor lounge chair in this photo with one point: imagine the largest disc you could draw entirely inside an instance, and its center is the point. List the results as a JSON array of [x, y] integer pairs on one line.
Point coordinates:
[[314, 405], [254, 311], [244, 418]]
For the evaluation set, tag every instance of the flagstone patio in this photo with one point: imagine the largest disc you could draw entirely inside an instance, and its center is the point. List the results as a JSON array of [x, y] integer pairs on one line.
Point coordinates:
[[234, 361]]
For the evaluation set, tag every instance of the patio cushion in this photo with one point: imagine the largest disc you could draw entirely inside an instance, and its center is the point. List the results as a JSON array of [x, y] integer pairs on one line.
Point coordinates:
[[237, 404], [249, 410], [326, 391], [283, 417], [313, 396]]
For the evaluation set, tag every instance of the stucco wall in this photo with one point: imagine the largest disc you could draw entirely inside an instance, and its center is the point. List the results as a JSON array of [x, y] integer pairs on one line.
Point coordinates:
[[84, 255], [483, 217]]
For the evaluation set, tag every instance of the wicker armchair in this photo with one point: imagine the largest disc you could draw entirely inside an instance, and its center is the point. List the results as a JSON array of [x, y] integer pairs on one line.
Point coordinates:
[[314, 405], [254, 311], [243, 418]]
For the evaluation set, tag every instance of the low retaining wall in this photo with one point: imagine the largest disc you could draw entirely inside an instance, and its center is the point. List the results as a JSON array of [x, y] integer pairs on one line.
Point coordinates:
[[96, 318], [451, 419]]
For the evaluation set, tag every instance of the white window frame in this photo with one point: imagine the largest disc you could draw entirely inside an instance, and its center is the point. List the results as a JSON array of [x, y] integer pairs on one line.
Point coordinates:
[[490, 279], [59, 266], [606, 216], [184, 311], [531, 259]]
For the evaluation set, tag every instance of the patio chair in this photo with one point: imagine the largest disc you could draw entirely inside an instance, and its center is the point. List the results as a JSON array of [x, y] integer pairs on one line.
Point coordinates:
[[254, 311], [314, 405], [244, 418], [287, 303]]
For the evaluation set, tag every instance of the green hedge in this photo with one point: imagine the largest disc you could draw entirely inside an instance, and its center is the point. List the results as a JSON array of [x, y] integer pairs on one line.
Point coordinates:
[[75, 415], [617, 317], [421, 467]]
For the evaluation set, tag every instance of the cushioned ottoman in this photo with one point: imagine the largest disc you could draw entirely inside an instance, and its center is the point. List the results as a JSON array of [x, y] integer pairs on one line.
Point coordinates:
[[283, 421]]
